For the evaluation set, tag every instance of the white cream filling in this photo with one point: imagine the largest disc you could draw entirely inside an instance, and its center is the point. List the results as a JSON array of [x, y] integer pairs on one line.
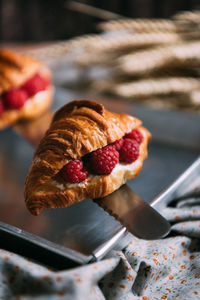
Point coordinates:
[[125, 167], [38, 97], [118, 168]]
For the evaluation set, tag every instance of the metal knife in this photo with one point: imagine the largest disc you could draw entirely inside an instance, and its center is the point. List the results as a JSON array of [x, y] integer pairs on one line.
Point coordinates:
[[84, 232], [81, 233], [135, 214]]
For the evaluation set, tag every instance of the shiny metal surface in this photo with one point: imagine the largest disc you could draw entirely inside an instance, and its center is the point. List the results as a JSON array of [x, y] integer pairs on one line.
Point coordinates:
[[77, 232], [63, 228], [186, 183], [135, 214], [105, 247]]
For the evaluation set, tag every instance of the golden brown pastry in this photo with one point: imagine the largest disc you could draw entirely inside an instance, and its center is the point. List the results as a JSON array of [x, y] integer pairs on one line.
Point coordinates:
[[88, 152], [25, 87]]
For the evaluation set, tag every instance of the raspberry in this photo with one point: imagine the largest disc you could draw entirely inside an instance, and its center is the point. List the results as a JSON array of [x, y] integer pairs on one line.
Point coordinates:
[[135, 134], [104, 160], [1, 106], [35, 85], [129, 151], [15, 98], [74, 171], [117, 144]]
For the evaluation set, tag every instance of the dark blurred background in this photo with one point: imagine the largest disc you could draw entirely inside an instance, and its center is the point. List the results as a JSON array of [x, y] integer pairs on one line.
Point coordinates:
[[42, 20]]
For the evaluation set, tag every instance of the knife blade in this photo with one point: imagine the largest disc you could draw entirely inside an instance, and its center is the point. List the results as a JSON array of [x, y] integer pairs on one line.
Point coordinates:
[[135, 214]]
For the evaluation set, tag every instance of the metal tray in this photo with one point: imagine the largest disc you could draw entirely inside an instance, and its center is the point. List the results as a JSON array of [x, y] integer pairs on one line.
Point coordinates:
[[187, 182], [167, 159], [63, 248]]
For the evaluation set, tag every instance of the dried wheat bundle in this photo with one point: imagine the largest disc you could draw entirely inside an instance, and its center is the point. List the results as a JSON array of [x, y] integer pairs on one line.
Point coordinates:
[[54, 50], [131, 40], [167, 51], [149, 60], [95, 42], [105, 49], [187, 101], [181, 101], [58, 49], [188, 16], [117, 42], [150, 32], [104, 85], [193, 34], [139, 25], [85, 59], [195, 97], [173, 71], [149, 87], [168, 101], [188, 23], [143, 61]]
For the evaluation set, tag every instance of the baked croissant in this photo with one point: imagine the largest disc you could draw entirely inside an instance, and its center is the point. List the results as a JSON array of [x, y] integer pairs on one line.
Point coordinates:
[[88, 152], [25, 87]]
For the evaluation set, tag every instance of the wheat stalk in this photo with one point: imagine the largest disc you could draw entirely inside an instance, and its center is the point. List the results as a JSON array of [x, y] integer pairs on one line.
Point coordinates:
[[139, 25], [157, 58]]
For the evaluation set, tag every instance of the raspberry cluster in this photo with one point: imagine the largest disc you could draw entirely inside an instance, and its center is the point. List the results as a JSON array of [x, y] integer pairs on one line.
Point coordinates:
[[135, 134], [74, 171], [1, 106], [118, 144], [129, 152], [102, 161], [16, 98]]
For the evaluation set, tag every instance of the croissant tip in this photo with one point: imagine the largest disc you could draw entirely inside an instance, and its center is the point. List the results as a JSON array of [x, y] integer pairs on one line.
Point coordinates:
[[35, 211]]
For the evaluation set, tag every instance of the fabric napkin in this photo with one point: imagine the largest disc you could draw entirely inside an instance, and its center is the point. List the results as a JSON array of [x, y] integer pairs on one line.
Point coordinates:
[[143, 270]]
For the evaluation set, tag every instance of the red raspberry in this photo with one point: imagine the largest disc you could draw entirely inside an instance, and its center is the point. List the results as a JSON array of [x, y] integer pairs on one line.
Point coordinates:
[[1, 106], [35, 85], [135, 134], [74, 171], [129, 151], [117, 144], [104, 160], [15, 98]]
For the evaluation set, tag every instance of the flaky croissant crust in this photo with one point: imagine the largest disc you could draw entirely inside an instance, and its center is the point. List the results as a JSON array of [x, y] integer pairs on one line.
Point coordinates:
[[30, 111], [15, 70], [78, 128]]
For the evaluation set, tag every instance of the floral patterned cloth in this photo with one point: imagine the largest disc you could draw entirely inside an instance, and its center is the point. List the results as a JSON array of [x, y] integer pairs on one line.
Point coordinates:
[[143, 270]]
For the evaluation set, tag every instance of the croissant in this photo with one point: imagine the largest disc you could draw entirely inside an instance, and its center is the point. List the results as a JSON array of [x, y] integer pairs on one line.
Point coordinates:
[[25, 87], [80, 130]]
